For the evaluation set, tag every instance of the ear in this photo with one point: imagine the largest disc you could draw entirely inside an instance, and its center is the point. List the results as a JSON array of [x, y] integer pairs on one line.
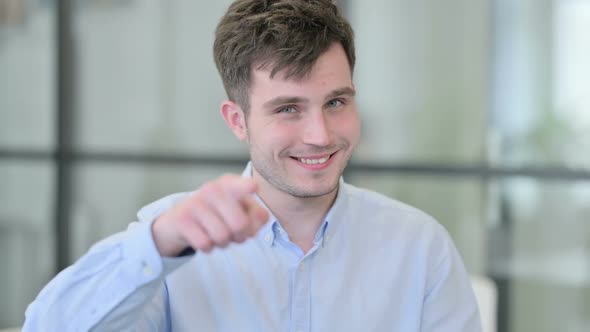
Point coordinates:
[[235, 119]]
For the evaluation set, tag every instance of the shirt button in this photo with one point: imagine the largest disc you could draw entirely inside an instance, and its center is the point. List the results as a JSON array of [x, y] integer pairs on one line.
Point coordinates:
[[267, 238], [301, 267], [147, 270]]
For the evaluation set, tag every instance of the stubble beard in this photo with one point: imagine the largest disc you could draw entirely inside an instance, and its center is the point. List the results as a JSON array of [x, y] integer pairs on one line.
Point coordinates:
[[280, 180]]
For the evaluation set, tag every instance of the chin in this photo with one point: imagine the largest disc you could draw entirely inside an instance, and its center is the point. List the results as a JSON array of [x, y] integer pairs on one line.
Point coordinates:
[[313, 192]]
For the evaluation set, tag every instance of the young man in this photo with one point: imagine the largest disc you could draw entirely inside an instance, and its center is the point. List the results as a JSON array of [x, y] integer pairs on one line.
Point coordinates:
[[287, 246]]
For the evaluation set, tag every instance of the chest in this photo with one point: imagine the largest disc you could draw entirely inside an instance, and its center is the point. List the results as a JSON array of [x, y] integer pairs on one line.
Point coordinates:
[[276, 291]]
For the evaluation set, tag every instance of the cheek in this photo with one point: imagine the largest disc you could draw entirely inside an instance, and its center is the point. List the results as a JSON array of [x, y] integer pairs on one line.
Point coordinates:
[[349, 127], [274, 136]]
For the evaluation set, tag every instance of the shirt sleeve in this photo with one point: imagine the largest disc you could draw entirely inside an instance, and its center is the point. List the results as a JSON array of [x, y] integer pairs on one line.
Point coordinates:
[[118, 285], [449, 303]]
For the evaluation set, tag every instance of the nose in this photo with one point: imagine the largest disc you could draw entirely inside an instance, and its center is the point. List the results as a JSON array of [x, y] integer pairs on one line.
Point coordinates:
[[317, 130]]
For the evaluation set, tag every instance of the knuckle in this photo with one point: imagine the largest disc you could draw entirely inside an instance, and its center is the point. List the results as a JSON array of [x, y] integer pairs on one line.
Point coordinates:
[[240, 239], [204, 244], [216, 189], [239, 236], [205, 190], [225, 178], [240, 224], [207, 248], [223, 238]]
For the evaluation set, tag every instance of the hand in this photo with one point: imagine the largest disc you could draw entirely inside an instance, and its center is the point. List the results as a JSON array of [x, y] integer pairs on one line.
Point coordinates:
[[220, 212]]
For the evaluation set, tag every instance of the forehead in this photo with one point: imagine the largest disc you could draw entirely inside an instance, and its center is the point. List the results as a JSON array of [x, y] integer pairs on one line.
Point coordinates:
[[330, 71]]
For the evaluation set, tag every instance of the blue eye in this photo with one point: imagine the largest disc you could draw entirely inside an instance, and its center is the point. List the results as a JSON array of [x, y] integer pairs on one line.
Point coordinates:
[[287, 109], [335, 103]]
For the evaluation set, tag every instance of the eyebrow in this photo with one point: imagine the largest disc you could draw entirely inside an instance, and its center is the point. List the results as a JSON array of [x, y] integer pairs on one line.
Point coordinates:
[[283, 100], [341, 92]]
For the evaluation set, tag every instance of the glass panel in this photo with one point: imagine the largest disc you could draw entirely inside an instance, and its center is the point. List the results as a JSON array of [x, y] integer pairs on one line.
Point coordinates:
[[27, 79], [99, 211], [458, 204], [26, 235], [422, 79], [541, 91], [147, 80], [545, 253]]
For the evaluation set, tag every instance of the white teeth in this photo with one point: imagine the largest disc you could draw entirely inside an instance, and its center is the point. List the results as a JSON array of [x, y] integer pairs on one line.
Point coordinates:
[[314, 161]]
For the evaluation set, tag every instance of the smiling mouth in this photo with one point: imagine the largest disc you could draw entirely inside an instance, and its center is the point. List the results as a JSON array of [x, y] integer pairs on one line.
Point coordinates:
[[314, 161]]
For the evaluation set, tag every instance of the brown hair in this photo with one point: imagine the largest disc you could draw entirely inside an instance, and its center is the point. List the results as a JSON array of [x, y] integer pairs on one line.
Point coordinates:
[[276, 34]]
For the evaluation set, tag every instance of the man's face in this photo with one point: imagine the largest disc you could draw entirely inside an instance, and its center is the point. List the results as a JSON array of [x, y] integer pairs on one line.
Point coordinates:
[[301, 133]]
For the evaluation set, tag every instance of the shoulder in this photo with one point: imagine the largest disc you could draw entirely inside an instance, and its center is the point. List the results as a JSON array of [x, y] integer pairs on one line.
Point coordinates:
[[382, 206], [379, 211]]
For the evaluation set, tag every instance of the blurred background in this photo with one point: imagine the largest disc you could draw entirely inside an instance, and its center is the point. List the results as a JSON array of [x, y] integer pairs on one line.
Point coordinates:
[[476, 111]]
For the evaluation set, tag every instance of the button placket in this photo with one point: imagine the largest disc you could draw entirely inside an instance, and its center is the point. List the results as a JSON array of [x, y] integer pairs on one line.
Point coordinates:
[[301, 298]]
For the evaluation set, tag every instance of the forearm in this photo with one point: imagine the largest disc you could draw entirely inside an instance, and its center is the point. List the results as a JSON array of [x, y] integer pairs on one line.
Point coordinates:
[[118, 283]]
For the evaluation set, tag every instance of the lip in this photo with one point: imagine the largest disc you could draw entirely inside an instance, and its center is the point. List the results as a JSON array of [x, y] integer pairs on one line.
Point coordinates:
[[316, 167]]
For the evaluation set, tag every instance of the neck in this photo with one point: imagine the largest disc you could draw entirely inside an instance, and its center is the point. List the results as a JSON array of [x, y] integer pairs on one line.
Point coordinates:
[[299, 216]]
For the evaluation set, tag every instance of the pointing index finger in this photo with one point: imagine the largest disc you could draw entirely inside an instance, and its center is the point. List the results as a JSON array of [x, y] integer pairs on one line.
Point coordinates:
[[238, 187]]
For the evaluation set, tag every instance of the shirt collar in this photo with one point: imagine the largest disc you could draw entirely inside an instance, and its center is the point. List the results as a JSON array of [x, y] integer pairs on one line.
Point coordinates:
[[273, 228]]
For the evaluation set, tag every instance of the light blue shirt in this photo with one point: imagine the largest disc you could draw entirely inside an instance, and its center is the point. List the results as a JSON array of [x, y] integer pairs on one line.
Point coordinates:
[[376, 265]]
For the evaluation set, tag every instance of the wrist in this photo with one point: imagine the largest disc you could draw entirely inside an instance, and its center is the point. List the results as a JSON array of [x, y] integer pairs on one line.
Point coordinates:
[[166, 242]]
